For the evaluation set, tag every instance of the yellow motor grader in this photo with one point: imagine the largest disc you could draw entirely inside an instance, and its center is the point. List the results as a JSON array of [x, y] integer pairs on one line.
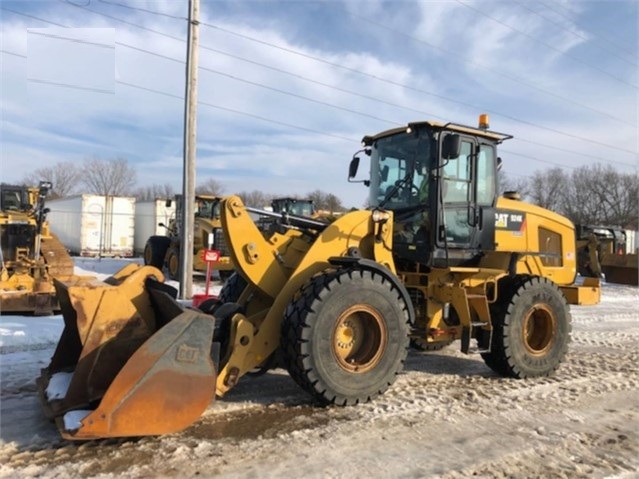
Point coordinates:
[[437, 257], [31, 254]]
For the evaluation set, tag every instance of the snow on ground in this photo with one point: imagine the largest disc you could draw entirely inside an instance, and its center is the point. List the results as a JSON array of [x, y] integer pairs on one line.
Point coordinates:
[[447, 416]]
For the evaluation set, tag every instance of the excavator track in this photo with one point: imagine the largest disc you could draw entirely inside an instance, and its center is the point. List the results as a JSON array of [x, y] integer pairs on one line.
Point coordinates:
[[59, 262]]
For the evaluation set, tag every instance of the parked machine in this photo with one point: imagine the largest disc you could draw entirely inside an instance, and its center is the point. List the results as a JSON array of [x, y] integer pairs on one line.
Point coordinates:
[[438, 257], [31, 255], [604, 251], [294, 206], [163, 252]]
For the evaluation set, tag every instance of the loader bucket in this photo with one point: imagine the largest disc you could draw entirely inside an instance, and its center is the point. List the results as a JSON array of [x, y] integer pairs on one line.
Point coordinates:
[[131, 360], [621, 269]]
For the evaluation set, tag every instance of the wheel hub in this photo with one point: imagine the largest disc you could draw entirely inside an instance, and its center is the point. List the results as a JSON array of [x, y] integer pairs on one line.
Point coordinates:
[[359, 338], [539, 329]]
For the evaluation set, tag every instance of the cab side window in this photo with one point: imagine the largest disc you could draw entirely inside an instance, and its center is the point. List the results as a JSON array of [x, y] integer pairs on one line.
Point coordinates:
[[486, 175], [457, 176]]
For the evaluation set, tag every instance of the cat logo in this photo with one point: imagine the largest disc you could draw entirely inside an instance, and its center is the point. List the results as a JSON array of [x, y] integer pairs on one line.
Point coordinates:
[[501, 220], [510, 221]]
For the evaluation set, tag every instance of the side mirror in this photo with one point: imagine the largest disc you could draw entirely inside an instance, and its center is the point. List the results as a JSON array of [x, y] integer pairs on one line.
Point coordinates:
[[353, 167], [451, 146], [384, 174]]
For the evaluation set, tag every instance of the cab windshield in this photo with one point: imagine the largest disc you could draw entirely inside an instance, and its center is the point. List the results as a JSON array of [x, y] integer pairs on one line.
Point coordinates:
[[400, 166], [207, 208]]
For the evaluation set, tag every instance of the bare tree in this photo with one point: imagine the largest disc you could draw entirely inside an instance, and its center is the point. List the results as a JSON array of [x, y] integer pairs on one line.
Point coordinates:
[[255, 198], [325, 201], [520, 185], [601, 195], [582, 203], [546, 188], [154, 192], [210, 187], [590, 195], [64, 176], [109, 177]]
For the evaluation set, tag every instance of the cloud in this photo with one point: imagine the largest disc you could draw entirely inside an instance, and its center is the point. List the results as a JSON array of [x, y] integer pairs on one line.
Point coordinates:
[[283, 122]]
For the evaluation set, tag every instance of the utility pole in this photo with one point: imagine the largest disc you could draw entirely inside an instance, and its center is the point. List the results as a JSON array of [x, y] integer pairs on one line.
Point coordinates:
[[188, 181]]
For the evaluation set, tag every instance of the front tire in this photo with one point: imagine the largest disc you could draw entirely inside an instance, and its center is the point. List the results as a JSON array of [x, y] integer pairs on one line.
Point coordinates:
[[531, 329], [155, 250], [173, 264], [345, 337]]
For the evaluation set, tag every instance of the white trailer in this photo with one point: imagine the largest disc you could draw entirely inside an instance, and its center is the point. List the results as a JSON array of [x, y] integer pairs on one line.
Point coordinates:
[[94, 225], [148, 216]]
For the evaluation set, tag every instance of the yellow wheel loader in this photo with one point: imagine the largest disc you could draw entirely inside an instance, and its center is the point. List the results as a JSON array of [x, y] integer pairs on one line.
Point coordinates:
[[31, 254], [163, 252], [437, 257], [294, 206]]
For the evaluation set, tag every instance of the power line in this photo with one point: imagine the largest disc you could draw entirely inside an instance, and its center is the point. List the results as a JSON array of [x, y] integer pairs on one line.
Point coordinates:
[[574, 32], [618, 46], [418, 90], [347, 109], [139, 9], [5, 8], [67, 85], [354, 70], [74, 40], [271, 120], [261, 85], [136, 25], [535, 143], [243, 113], [211, 105], [217, 51], [492, 70], [475, 107], [548, 45], [12, 53]]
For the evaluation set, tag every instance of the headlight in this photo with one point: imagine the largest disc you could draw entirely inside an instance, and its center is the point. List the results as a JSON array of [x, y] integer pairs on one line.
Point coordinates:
[[380, 216]]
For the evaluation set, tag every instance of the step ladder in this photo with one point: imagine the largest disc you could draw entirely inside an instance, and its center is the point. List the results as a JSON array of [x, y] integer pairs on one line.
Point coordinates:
[[479, 304]]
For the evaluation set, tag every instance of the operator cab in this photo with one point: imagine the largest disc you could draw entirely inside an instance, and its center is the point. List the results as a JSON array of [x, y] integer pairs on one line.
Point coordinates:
[[293, 206], [440, 181], [14, 198], [207, 207]]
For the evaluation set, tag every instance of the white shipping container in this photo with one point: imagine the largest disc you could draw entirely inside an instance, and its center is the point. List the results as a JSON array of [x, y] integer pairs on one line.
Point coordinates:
[[148, 216], [632, 241], [94, 225]]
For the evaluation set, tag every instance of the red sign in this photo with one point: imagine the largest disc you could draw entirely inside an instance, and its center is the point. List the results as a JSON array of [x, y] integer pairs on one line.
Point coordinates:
[[211, 255]]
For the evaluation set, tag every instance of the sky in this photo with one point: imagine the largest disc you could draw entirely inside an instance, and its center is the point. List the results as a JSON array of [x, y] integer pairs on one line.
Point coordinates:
[[287, 89]]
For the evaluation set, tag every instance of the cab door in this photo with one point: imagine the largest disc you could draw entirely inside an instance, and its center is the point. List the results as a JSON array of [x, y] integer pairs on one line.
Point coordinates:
[[466, 194]]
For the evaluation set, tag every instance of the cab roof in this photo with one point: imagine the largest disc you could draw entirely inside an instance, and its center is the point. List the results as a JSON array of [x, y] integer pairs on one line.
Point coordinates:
[[436, 125]]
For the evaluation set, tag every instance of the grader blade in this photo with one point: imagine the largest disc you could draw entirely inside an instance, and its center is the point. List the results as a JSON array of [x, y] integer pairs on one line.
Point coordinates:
[[131, 360]]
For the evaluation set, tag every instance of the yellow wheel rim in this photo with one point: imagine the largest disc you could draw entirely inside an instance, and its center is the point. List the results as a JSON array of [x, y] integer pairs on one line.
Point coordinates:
[[540, 326], [359, 338]]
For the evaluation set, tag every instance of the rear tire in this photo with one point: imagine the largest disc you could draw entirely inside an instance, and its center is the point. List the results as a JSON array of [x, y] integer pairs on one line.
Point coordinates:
[[531, 329], [225, 275], [232, 289], [155, 251], [345, 337], [423, 345]]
